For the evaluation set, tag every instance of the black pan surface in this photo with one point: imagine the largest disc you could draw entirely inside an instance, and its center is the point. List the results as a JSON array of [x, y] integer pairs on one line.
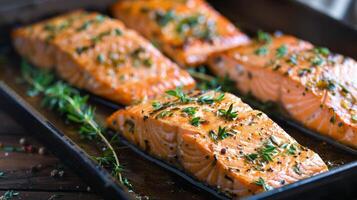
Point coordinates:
[[152, 177]]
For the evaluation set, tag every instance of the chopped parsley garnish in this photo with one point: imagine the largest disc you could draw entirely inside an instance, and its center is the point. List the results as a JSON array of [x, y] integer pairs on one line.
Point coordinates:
[[322, 50], [100, 36], [189, 22], [303, 71], [263, 37], [197, 26], [228, 114], [290, 148], [140, 57], [148, 62], [101, 58], [261, 182], [196, 121], [164, 18], [190, 110], [262, 51], [281, 51], [156, 105], [178, 93], [317, 61]]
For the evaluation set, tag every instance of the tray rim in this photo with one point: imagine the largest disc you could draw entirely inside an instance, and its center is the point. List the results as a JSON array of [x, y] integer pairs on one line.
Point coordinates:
[[8, 92], [111, 187]]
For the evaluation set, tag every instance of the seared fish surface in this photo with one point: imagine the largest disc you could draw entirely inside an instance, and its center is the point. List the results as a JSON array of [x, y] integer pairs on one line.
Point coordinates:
[[317, 88], [101, 55], [219, 140], [187, 31]]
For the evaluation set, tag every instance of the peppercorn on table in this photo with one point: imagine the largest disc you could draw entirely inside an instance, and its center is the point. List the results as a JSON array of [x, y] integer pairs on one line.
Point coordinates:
[[28, 171]]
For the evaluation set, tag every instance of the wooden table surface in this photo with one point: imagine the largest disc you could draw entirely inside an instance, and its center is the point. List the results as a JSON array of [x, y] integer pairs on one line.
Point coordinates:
[[29, 174]]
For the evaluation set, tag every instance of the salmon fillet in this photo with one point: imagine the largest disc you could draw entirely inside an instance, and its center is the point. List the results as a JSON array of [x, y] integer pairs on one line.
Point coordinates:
[[219, 140], [101, 55], [187, 31], [315, 87]]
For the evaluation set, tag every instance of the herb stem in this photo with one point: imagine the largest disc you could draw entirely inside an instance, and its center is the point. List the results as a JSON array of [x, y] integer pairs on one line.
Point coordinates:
[[31, 76]]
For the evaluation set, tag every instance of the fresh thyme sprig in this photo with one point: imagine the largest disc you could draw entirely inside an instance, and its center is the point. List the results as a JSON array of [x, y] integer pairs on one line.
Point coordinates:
[[178, 93], [228, 114], [221, 134], [261, 182], [207, 82], [67, 100], [8, 195]]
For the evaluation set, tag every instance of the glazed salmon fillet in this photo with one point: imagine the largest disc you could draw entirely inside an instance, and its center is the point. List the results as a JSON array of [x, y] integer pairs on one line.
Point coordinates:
[[315, 87], [100, 55], [186, 30], [219, 140]]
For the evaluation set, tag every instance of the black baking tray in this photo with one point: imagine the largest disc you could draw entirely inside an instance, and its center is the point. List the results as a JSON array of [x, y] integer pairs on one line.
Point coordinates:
[[153, 177]]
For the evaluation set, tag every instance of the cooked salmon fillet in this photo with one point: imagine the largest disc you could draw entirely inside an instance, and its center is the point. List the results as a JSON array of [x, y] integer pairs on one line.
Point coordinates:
[[219, 140], [101, 55], [188, 31], [316, 88]]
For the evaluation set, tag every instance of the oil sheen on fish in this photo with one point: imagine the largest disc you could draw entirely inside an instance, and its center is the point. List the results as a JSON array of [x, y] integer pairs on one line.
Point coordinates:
[[186, 30], [316, 87], [101, 55], [219, 140]]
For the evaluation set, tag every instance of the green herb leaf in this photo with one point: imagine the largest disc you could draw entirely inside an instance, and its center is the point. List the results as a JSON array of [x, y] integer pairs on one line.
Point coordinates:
[[303, 71], [261, 182], [8, 195], [263, 37], [293, 59], [165, 113], [178, 93], [251, 157], [101, 58], [190, 110], [229, 114], [164, 18], [322, 50], [208, 99], [196, 121], [296, 169], [68, 102], [267, 152], [317, 61], [222, 134], [281, 51], [156, 105], [354, 118], [326, 84], [2, 174], [262, 51], [118, 32], [189, 22]]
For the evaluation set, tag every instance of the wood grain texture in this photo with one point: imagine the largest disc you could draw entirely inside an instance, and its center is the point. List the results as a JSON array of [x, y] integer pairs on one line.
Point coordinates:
[[30, 173]]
